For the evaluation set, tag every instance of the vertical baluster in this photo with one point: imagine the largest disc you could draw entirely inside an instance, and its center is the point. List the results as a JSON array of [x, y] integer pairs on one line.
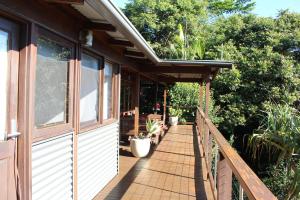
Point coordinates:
[[224, 180], [241, 193], [203, 127], [216, 165], [209, 150]]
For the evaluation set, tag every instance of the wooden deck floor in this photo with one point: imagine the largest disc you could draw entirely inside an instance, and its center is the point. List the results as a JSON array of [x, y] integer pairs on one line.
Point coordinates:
[[173, 171]]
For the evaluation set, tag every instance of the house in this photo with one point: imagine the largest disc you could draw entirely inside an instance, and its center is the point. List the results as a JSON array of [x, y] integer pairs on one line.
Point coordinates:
[[63, 65]]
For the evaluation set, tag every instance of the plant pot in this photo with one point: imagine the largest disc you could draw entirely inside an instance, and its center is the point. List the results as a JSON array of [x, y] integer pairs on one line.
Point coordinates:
[[173, 121], [140, 147]]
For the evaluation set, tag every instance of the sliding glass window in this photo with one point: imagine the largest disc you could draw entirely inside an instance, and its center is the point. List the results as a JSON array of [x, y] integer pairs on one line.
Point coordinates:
[[89, 89], [108, 91], [51, 91], [53, 84]]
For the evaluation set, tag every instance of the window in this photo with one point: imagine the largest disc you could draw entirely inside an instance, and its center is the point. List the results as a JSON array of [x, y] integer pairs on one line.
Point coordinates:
[[52, 84], [108, 97], [89, 89]]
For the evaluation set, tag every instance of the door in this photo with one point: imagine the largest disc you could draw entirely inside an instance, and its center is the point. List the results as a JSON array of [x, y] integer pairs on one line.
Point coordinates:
[[9, 61]]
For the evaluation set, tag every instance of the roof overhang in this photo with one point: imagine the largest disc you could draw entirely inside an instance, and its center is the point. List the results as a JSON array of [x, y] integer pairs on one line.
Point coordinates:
[[104, 11]]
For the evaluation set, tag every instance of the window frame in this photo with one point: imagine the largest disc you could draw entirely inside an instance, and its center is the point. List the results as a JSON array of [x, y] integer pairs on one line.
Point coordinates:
[[55, 129], [92, 124]]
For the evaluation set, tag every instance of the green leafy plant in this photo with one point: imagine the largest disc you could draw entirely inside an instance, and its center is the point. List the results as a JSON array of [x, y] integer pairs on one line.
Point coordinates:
[[280, 132], [175, 112], [152, 127]]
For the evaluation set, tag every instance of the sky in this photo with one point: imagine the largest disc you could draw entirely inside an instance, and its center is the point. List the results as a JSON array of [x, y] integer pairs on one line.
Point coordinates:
[[266, 8]]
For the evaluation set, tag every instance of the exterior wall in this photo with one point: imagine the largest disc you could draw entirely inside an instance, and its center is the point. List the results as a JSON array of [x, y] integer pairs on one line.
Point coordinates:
[[59, 165], [52, 168], [97, 159]]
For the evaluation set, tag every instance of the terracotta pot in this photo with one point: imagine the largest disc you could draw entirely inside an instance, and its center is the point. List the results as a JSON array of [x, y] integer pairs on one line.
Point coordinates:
[[140, 147]]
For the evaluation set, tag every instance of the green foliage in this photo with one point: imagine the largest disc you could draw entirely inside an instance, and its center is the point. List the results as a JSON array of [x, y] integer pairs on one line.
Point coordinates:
[[185, 96], [152, 127], [218, 7], [279, 180], [175, 112], [160, 21], [280, 132], [264, 71], [280, 129], [177, 28]]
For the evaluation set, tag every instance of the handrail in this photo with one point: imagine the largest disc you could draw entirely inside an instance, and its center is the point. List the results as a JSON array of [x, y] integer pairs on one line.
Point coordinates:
[[254, 188]]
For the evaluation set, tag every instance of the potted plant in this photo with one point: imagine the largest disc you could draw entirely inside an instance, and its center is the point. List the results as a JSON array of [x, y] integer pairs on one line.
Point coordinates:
[[140, 144], [174, 114]]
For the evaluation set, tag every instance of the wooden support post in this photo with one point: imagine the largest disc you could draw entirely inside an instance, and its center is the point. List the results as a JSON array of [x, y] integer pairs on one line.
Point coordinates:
[[156, 91], [207, 96], [207, 138], [165, 105], [224, 180], [201, 95], [136, 104], [199, 119]]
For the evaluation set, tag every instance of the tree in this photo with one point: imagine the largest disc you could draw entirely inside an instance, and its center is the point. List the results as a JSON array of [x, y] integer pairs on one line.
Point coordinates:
[[161, 21], [265, 71], [158, 22], [217, 7]]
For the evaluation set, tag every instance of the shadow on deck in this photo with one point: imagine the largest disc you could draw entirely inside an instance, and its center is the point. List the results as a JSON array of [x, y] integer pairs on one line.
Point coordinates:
[[174, 170]]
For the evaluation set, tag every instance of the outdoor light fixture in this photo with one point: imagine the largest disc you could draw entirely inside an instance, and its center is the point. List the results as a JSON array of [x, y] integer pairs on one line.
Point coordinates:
[[86, 37]]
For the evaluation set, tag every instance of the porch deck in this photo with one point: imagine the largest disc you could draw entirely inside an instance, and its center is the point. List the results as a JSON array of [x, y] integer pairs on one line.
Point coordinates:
[[175, 170]]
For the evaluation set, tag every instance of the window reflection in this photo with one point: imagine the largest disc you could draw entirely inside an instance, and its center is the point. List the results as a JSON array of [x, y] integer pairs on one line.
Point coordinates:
[[51, 86], [107, 90], [89, 89]]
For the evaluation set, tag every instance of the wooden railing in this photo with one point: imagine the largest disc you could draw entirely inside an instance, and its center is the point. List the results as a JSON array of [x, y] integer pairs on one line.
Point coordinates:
[[222, 162]]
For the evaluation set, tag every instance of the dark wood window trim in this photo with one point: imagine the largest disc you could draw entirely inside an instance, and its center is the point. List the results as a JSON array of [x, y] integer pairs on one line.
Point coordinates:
[[93, 124], [42, 133]]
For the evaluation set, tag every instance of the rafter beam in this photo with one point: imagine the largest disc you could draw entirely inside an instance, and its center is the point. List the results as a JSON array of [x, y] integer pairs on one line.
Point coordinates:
[[100, 27], [173, 80], [78, 2], [177, 69], [133, 54], [117, 42]]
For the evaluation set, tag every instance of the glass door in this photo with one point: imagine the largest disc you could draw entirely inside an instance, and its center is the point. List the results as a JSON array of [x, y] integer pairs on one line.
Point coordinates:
[[4, 41], [9, 61]]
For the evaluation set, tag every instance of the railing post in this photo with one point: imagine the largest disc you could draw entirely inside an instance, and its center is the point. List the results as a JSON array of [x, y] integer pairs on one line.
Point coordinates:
[[241, 193], [199, 121], [207, 137], [165, 106], [216, 160], [224, 180], [136, 104]]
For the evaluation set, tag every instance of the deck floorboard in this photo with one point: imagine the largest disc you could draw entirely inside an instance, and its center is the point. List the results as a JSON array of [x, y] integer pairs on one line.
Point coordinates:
[[175, 170]]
